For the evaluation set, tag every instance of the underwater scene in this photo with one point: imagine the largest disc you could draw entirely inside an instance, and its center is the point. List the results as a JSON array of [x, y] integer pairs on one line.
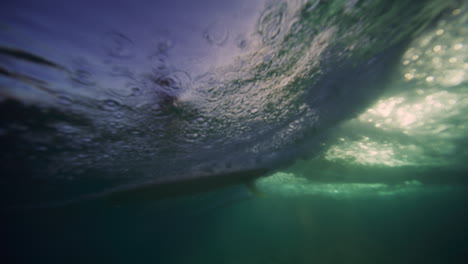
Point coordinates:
[[246, 131]]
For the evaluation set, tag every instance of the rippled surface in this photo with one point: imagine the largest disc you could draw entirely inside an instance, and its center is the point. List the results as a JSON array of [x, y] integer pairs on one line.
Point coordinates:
[[180, 91]]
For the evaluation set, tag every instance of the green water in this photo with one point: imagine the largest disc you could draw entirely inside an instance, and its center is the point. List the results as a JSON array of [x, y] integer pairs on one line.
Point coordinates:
[[404, 227]]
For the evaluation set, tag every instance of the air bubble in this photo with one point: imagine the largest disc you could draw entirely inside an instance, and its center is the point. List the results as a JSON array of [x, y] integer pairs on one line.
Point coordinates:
[[136, 91], [110, 105], [216, 33], [242, 43], [271, 21], [175, 81], [182, 78], [83, 77]]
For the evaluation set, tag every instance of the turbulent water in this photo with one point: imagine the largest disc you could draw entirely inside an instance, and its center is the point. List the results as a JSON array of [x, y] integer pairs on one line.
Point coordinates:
[[352, 114]]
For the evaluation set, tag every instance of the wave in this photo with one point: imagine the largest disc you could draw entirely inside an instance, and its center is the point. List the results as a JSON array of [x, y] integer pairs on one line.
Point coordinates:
[[159, 92]]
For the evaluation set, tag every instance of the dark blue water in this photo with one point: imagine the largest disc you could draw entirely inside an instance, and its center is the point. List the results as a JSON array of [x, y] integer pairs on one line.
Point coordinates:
[[233, 131]]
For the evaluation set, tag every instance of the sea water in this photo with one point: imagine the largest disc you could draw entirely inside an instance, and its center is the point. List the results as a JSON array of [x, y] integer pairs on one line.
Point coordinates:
[[375, 175]]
